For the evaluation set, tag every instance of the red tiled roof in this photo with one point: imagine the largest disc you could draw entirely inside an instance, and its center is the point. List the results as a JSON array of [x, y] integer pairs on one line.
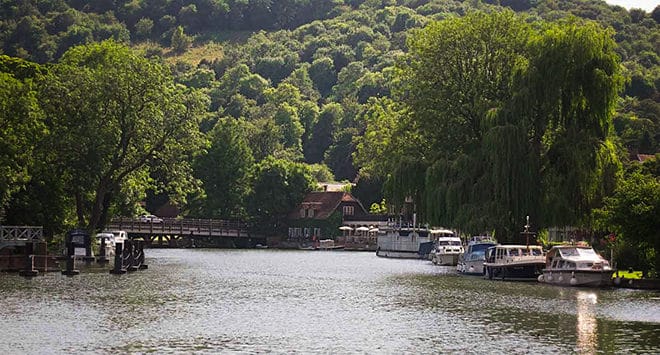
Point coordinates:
[[324, 203]]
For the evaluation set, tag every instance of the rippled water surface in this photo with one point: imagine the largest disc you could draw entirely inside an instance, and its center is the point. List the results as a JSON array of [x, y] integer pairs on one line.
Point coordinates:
[[247, 301]]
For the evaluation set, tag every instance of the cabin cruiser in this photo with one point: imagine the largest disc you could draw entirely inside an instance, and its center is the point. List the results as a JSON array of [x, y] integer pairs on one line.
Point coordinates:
[[514, 262], [109, 239], [404, 241], [576, 265], [471, 262], [446, 247]]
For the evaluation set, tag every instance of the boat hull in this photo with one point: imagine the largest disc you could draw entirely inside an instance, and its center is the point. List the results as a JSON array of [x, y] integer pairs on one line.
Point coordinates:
[[514, 271], [579, 278], [398, 254]]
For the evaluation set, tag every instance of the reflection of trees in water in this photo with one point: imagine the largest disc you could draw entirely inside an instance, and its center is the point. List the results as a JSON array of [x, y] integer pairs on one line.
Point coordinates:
[[586, 326]]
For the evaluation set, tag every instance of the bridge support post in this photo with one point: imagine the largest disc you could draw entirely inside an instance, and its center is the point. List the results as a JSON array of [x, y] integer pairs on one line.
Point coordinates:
[[28, 269], [70, 260], [119, 260]]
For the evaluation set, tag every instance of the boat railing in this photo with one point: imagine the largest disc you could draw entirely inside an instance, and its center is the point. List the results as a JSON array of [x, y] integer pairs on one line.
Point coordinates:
[[519, 258]]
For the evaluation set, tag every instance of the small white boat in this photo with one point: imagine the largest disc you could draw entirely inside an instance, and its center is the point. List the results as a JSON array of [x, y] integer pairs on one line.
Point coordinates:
[[111, 239], [514, 262], [447, 247], [471, 262], [576, 265]]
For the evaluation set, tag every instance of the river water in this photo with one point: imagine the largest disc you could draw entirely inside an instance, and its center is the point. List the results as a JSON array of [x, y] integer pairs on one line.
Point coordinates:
[[250, 301]]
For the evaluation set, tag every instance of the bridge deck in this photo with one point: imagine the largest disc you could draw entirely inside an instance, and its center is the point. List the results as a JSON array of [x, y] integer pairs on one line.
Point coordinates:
[[181, 227]]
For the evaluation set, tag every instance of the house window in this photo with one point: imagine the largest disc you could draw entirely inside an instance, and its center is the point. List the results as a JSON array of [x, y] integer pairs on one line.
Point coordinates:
[[348, 210], [303, 212], [310, 213]]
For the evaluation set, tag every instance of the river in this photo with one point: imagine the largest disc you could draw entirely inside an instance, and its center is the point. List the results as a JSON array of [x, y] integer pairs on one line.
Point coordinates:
[[250, 301]]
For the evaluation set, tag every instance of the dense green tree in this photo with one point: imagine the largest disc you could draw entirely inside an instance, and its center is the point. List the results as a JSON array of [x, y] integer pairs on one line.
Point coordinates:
[[494, 110], [180, 41], [323, 133], [143, 28], [224, 170], [113, 115], [323, 74], [22, 123], [277, 187], [632, 213]]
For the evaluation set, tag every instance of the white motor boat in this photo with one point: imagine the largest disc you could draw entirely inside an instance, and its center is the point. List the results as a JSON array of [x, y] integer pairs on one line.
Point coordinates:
[[111, 239], [514, 262], [404, 241], [576, 265], [446, 248], [471, 262]]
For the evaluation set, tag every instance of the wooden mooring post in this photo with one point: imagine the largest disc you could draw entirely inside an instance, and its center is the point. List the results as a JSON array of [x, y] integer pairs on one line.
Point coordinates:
[[70, 260], [129, 257], [28, 269]]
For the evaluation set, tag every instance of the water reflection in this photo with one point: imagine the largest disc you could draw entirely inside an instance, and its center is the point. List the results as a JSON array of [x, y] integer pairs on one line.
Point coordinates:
[[586, 326]]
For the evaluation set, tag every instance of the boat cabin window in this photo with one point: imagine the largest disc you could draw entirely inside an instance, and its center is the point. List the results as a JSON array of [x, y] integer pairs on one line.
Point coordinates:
[[561, 264], [568, 252], [537, 252], [554, 263], [514, 252]]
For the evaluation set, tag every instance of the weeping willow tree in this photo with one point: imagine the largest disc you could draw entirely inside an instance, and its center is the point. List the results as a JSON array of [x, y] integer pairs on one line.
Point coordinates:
[[516, 121], [573, 81]]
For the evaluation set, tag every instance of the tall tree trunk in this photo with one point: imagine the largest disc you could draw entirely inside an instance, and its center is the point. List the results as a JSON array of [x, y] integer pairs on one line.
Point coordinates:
[[80, 208], [97, 207]]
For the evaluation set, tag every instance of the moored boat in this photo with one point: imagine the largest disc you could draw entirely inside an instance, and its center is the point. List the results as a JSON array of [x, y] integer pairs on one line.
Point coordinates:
[[471, 262], [514, 262], [402, 241], [446, 247], [576, 265]]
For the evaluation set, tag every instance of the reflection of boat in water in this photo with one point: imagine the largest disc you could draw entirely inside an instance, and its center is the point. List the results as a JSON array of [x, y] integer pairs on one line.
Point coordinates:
[[514, 262], [404, 241], [471, 262], [446, 247], [576, 265]]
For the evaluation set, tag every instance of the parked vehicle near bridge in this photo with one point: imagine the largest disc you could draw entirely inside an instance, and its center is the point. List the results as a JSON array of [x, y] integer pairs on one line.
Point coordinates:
[[150, 218]]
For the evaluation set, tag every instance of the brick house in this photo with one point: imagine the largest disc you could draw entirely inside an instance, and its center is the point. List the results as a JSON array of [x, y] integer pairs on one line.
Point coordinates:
[[321, 213]]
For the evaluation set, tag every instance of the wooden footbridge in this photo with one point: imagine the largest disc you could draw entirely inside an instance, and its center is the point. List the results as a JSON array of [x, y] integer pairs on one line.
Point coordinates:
[[188, 232]]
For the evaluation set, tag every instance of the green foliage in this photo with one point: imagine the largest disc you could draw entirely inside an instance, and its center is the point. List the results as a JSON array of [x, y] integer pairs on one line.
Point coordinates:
[[632, 213], [180, 41], [493, 109], [277, 187], [22, 123], [378, 208], [224, 170], [115, 116]]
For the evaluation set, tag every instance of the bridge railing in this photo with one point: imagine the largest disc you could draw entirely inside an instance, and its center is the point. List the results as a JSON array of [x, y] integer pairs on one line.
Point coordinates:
[[21, 233], [178, 225]]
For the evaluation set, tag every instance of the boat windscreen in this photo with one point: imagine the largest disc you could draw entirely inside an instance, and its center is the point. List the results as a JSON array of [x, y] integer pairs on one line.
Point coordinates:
[[481, 247], [586, 252], [568, 252]]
